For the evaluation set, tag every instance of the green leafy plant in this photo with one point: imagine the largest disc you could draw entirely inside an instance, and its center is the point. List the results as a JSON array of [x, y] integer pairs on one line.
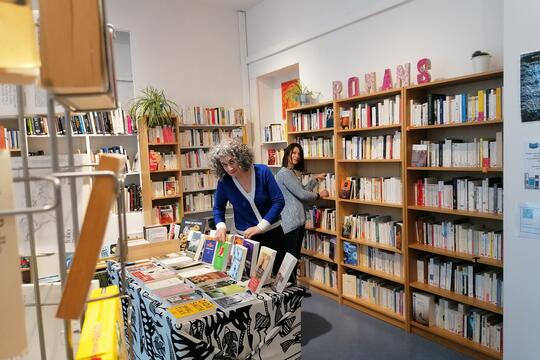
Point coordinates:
[[153, 106], [299, 93]]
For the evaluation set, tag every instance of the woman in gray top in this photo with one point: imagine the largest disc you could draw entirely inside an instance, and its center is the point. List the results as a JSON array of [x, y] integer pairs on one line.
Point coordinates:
[[293, 216]]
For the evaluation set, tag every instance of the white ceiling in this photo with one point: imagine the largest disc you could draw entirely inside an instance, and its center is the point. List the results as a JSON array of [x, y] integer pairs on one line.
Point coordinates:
[[233, 4]]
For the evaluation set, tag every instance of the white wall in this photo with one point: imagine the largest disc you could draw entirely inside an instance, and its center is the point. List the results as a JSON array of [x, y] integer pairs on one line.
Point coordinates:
[[188, 48], [521, 283], [405, 32]]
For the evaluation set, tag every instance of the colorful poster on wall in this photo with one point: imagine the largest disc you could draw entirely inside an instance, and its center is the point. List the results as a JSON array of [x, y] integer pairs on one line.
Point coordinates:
[[531, 166], [286, 101], [530, 86]]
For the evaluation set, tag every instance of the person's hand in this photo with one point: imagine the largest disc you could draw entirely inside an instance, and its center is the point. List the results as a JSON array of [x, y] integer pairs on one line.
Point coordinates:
[[252, 231], [324, 193], [221, 234], [320, 177]]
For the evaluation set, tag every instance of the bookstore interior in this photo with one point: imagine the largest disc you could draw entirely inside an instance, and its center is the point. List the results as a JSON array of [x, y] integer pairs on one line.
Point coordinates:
[[227, 179]]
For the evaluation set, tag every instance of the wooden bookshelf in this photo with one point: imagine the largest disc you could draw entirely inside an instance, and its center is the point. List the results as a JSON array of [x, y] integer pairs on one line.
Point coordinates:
[[322, 231], [377, 273], [372, 203], [372, 244], [375, 307], [320, 288], [317, 255], [147, 176], [466, 131]]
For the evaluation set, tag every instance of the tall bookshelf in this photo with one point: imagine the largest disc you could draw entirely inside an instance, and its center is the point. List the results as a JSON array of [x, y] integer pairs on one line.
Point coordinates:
[[478, 127], [317, 123], [364, 121], [408, 212]]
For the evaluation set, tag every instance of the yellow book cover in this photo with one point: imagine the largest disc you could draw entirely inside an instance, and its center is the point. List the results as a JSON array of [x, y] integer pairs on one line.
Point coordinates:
[[480, 109], [184, 311], [498, 97], [19, 57], [102, 335]]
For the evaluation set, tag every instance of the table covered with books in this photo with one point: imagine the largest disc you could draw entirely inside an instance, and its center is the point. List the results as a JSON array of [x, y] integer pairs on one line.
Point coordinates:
[[267, 328]]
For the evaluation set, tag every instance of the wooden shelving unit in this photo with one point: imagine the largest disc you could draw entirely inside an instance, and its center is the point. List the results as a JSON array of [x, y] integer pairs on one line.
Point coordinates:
[[407, 211]]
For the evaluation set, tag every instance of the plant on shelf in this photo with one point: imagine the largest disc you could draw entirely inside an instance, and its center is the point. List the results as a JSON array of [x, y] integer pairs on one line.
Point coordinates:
[[153, 106], [300, 93]]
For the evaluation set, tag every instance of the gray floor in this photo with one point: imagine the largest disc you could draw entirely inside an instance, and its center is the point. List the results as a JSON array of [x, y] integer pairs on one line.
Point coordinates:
[[333, 331]]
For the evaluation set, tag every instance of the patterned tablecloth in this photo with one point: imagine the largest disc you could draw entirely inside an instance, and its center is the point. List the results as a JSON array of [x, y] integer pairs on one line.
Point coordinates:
[[267, 329]]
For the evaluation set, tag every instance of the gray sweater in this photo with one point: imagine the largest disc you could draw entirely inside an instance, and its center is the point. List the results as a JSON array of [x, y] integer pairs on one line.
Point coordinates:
[[293, 214]]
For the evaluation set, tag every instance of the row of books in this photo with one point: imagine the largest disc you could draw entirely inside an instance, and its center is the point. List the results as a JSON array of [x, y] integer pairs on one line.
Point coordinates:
[[361, 255], [319, 271], [196, 137], [162, 134], [194, 159], [165, 214], [328, 184], [320, 243], [382, 113], [317, 146], [321, 218], [273, 133], [462, 278], [117, 149], [167, 187], [482, 327], [313, 120], [456, 153], [383, 147], [162, 160], [465, 194], [198, 202], [275, 156], [485, 105], [133, 198], [460, 236], [9, 139], [386, 294], [379, 229], [199, 181], [377, 189], [199, 115], [94, 122]]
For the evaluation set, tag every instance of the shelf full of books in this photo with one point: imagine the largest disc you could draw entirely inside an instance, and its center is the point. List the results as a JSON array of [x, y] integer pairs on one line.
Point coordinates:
[[454, 196]]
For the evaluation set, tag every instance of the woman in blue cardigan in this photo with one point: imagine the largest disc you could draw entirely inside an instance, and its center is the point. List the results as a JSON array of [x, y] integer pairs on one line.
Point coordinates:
[[256, 198]]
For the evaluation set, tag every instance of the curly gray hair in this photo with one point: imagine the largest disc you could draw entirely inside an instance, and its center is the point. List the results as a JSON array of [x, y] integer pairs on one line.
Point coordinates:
[[233, 148]]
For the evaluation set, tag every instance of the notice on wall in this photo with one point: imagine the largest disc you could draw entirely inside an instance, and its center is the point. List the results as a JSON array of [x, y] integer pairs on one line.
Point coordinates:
[[530, 86], [529, 220], [531, 165]]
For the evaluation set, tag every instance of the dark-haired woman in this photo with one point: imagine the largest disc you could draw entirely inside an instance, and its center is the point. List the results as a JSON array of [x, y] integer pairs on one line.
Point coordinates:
[[293, 216]]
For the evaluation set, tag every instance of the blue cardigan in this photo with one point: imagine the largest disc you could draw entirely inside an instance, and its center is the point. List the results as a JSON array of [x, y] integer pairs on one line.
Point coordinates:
[[262, 210]]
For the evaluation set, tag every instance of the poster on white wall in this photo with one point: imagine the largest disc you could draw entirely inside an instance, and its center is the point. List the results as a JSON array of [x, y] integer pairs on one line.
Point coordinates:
[[529, 220], [530, 86], [531, 165]]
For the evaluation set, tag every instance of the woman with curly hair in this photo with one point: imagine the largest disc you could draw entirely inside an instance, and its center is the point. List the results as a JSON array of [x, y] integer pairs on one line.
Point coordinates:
[[253, 193]]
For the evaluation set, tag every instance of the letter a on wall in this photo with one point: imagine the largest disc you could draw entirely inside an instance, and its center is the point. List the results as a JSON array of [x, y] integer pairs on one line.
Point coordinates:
[[387, 80]]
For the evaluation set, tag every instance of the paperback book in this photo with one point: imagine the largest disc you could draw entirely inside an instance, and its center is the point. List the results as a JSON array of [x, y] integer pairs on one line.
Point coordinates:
[[214, 276], [284, 273], [195, 242], [209, 250], [263, 269], [183, 298], [221, 257], [235, 301], [251, 256], [350, 253], [238, 261], [192, 310]]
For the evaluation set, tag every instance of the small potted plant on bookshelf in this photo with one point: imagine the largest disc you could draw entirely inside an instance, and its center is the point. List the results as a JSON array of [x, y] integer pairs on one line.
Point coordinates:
[[154, 107], [480, 61], [301, 94]]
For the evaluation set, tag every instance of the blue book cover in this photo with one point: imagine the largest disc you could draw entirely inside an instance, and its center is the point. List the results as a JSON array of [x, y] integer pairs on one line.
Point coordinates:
[[208, 251], [350, 253]]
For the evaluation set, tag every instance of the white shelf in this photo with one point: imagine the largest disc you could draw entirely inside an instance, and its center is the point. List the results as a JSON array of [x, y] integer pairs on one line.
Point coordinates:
[[274, 142]]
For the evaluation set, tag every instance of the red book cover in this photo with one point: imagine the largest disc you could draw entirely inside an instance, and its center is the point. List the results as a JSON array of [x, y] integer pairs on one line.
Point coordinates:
[[419, 192], [368, 117], [2, 138]]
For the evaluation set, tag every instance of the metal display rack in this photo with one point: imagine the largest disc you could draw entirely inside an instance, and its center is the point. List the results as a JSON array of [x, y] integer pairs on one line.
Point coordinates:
[[71, 173]]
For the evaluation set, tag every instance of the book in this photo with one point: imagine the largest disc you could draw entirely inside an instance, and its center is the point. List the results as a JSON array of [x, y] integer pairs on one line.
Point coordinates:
[[423, 308], [156, 273], [221, 257], [209, 250], [166, 292], [214, 276], [228, 290], [164, 283], [155, 233], [176, 261], [194, 271], [284, 273], [350, 253], [183, 298], [235, 301], [419, 155], [211, 286], [195, 241], [263, 269], [188, 225], [345, 190], [192, 310], [252, 253], [238, 261], [170, 187]]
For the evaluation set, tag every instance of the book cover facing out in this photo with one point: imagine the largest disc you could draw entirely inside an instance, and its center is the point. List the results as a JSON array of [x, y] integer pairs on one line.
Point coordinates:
[[209, 251], [530, 86], [350, 254]]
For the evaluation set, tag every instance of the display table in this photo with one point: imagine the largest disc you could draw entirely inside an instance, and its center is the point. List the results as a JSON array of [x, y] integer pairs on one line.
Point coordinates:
[[267, 329]]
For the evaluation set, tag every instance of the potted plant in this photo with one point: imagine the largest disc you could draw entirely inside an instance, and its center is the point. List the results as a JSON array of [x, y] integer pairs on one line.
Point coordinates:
[[480, 60], [300, 93], [153, 106]]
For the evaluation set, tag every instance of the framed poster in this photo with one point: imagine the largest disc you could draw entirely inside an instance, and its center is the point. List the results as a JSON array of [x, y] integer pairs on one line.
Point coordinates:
[[286, 102], [530, 86]]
